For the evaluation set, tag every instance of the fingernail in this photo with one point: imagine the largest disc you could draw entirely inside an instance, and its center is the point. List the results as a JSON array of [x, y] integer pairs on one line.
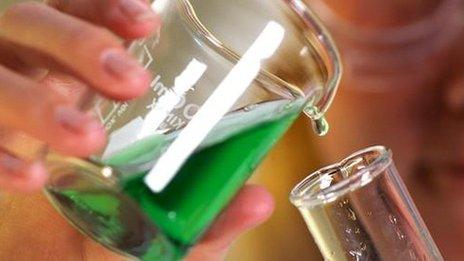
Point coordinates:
[[121, 65], [75, 121], [136, 10], [10, 164]]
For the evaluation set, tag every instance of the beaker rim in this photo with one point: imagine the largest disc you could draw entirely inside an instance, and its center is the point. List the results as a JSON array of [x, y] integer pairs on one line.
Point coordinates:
[[303, 194], [327, 52]]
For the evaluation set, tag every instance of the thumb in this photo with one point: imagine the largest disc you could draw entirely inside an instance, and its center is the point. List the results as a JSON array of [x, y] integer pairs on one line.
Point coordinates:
[[252, 206]]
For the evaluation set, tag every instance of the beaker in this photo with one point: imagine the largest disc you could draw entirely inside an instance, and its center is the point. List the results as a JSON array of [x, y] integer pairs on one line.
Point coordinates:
[[360, 209], [230, 78]]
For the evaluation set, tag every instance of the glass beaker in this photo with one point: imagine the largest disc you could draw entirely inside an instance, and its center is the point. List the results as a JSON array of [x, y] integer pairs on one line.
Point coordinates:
[[230, 78], [360, 209]]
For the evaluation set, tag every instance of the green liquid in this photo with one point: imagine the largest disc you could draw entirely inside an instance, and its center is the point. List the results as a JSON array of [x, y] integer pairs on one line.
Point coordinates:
[[115, 221], [183, 211], [207, 182]]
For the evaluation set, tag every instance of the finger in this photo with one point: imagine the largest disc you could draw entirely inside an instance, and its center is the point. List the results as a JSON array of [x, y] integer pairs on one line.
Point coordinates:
[[64, 85], [252, 206], [93, 54], [26, 107], [128, 18], [17, 175]]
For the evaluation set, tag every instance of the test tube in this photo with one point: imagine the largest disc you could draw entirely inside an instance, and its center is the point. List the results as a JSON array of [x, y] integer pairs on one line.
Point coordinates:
[[360, 209]]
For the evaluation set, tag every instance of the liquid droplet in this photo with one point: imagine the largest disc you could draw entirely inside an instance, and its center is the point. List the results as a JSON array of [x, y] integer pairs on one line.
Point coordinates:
[[348, 230], [321, 126]]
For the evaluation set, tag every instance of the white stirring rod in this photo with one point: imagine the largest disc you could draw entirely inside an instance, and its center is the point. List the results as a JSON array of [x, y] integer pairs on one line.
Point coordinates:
[[215, 107]]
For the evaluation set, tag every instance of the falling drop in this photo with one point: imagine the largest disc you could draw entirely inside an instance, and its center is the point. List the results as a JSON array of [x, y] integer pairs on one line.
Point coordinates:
[[321, 126]]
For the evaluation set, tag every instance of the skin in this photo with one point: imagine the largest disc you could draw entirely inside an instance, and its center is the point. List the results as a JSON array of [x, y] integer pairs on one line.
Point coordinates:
[[416, 110], [41, 83], [30, 229]]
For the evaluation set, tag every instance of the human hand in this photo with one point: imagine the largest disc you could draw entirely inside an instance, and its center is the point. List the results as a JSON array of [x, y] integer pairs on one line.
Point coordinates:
[[30, 229], [252, 206], [49, 57]]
